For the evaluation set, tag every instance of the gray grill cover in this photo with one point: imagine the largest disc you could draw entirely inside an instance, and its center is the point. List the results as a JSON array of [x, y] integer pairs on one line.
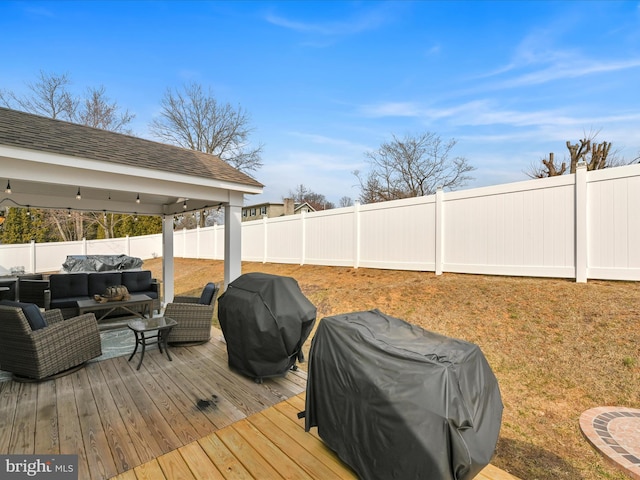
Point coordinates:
[[100, 263], [265, 320], [395, 401]]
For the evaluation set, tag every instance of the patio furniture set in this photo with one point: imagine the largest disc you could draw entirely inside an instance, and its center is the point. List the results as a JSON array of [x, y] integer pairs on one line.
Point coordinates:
[[39, 344]]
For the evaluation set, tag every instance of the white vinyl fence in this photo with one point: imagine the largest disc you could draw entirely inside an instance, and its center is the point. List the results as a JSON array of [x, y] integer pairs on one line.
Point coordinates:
[[578, 226]]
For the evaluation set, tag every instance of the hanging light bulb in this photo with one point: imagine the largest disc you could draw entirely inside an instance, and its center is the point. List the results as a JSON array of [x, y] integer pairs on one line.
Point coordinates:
[[138, 199], [8, 189], [104, 215], [68, 212], [184, 205], [135, 216], [28, 210], [78, 196]]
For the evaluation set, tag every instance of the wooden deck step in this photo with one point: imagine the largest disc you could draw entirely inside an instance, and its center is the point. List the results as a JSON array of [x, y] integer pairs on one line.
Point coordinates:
[[271, 444]]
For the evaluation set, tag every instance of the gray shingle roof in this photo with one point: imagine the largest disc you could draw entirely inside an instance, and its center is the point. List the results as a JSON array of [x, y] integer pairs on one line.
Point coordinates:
[[25, 130]]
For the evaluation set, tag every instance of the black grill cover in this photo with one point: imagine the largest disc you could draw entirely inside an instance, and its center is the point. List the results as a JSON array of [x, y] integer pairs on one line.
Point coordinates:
[[265, 320], [395, 401]]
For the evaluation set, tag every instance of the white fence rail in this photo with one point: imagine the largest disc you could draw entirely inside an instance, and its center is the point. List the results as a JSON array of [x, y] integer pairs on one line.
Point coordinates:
[[578, 226]]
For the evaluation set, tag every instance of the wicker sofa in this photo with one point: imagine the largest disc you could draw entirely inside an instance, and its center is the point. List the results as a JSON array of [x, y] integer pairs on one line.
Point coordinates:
[[65, 289]]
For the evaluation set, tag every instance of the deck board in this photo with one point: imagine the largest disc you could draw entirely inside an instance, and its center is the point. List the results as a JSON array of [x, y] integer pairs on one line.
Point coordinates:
[[271, 444], [191, 418], [96, 446], [46, 440]]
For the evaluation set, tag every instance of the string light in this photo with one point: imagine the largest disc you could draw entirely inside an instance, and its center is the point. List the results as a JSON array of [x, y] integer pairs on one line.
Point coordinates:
[[138, 199], [8, 189], [78, 196], [184, 205]]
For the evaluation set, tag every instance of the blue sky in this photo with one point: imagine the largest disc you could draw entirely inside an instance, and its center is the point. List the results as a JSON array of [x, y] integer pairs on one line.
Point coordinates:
[[324, 82]]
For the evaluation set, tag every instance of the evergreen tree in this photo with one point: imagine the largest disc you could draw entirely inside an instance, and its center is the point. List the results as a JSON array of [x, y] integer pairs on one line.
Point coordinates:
[[23, 225]]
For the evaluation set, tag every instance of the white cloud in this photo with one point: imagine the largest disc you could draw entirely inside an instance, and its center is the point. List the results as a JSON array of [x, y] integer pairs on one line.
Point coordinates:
[[568, 70], [391, 109], [358, 23], [329, 141], [40, 12]]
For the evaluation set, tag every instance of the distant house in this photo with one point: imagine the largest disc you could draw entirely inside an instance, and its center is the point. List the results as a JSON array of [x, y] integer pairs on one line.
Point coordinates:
[[270, 210]]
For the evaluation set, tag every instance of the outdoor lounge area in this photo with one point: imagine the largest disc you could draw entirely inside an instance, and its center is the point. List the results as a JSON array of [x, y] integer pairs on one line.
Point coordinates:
[[189, 418]]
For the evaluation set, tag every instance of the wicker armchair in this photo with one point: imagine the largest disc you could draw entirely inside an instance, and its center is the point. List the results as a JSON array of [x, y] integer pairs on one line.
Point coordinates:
[[58, 347], [194, 316]]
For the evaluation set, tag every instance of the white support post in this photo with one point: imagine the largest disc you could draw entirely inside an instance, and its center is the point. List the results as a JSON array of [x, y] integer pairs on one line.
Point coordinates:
[[233, 238], [439, 231], [581, 232], [167, 258]]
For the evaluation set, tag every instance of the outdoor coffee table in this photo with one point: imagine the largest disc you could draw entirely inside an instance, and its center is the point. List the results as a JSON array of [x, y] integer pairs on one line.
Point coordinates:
[[149, 331], [90, 305]]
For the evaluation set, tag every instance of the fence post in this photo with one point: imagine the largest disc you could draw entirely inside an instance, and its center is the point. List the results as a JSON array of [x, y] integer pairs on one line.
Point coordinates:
[[215, 241], [303, 228], [356, 213], [265, 233], [32, 256], [198, 233], [438, 231], [581, 240]]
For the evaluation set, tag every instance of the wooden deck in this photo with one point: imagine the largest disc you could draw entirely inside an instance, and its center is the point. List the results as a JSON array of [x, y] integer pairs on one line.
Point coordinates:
[[188, 419], [269, 445]]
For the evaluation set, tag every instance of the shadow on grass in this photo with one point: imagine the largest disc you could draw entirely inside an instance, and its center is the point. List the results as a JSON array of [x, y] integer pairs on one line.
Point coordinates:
[[526, 461]]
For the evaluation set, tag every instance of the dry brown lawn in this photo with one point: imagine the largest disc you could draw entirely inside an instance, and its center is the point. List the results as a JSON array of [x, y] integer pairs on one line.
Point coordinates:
[[557, 347]]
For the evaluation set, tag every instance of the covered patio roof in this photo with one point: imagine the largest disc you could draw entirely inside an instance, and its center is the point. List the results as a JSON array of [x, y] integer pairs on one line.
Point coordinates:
[[47, 162]]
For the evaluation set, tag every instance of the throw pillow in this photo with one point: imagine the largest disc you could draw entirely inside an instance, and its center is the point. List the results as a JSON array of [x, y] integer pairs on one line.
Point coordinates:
[[31, 312]]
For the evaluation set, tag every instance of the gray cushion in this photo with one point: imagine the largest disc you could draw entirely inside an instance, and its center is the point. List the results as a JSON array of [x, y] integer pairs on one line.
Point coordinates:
[[31, 312]]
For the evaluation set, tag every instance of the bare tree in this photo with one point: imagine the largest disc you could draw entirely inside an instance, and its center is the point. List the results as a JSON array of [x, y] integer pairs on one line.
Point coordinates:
[[413, 166], [595, 155], [345, 202], [194, 119], [98, 111], [318, 201], [49, 97]]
